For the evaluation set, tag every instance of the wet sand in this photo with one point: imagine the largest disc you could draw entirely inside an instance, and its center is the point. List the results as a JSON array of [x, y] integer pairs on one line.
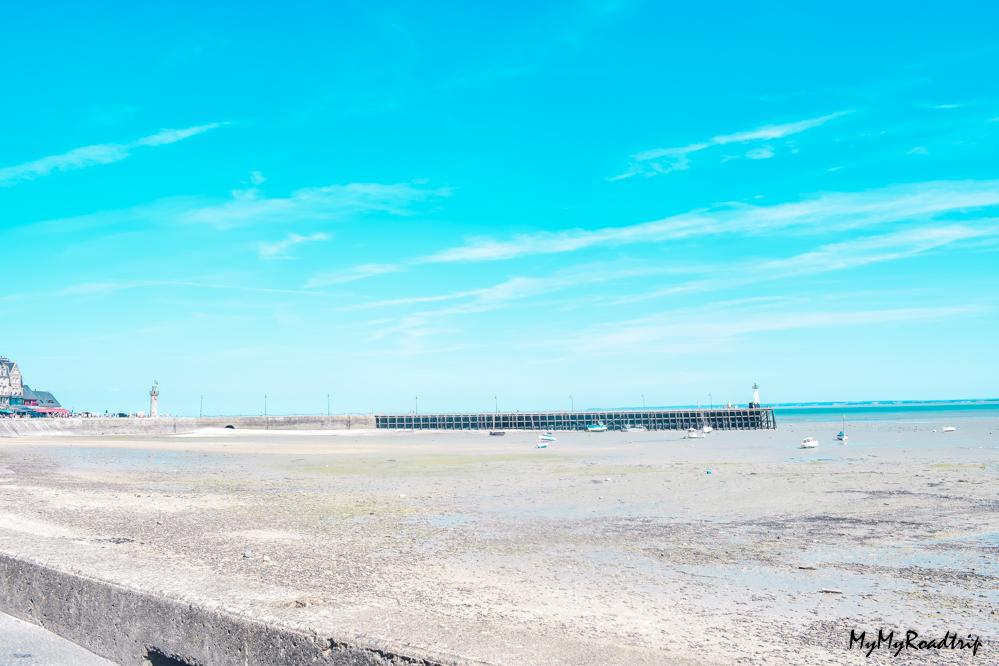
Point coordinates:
[[605, 548]]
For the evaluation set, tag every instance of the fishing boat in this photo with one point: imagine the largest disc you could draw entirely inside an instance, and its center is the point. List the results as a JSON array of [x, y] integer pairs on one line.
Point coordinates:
[[809, 443], [694, 433], [596, 427], [628, 427], [841, 435]]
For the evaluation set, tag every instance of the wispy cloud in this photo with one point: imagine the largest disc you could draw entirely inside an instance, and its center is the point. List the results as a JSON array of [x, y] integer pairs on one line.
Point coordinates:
[[247, 207], [720, 326], [825, 213], [353, 274], [85, 288], [519, 288], [280, 249], [97, 154], [723, 276], [251, 207], [665, 160], [827, 258]]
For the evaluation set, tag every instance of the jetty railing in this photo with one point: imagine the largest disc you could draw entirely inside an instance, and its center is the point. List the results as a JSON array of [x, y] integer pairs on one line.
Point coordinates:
[[757, 418]]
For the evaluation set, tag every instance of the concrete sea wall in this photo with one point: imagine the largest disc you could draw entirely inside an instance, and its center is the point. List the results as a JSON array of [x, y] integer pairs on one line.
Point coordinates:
[[132, 627], [169, 425]]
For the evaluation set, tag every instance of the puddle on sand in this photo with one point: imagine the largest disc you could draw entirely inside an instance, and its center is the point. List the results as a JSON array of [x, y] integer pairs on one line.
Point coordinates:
[[449, 519], [72, 457]]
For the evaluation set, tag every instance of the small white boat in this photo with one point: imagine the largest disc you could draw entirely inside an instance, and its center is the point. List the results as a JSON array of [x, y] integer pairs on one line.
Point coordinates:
[[546, 436], [694, 433], [596, 427], [809, 443], [633, 428], [707, 430], [542, 444], [949, 429]]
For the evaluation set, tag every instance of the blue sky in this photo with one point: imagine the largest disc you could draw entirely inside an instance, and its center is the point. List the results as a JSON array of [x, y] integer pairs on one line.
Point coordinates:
[[456, 201]]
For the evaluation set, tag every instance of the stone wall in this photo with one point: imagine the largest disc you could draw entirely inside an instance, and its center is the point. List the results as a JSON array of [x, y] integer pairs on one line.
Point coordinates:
[[167, 425]]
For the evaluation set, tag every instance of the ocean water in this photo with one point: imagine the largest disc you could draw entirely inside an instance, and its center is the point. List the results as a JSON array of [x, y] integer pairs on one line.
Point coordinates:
[[908, 411]]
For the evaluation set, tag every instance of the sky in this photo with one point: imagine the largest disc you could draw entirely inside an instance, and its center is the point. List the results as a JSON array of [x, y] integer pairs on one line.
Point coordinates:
[[498, 204]]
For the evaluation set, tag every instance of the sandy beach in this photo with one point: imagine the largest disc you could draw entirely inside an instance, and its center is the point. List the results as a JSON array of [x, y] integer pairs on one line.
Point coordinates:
[[629, 548]]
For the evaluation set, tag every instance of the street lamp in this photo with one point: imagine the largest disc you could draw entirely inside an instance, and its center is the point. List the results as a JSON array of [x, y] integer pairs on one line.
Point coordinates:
[[329, 410], [496, 403], [417, 408], [201, 407]]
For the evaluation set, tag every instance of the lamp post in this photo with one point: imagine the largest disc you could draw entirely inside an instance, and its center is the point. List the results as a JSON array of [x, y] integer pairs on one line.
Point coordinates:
[[329, 409], [416, 410], [267, 423], [496, 403], [201, 407], [643, 402]]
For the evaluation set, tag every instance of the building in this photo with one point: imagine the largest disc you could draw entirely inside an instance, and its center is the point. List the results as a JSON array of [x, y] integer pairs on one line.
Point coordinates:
[[11, 384], [18, 399]]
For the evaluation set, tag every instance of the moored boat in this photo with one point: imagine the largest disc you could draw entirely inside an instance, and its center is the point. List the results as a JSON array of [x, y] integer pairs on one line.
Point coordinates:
[[809, 443]]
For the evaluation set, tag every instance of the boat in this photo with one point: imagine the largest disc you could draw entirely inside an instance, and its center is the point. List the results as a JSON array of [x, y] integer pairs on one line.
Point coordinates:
[[628, 427], [497, 433], [596, 427], [949, 429], [694, 433], [542, 444], [546, 436], [841, 435], [809, 443], [707, 430]]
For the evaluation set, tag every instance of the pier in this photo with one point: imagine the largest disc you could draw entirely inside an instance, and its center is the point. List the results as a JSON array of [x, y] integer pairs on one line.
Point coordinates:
[[755, 418]]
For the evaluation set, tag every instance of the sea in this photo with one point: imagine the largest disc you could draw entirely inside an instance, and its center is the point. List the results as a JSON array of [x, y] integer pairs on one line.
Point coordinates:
[[910, 411]]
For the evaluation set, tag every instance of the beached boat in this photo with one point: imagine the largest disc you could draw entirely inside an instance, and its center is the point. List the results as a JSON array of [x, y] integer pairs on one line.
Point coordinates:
[[546, 436], [497, 433], [542, 444], [809, 443], [633, 428], [841, 435], [707, 430], [596, 427], [694, 433], [949, 429]]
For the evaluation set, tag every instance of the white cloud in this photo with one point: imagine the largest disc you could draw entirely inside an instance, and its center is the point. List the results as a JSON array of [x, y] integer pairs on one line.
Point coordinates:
[[279, 249], [824, 212], [664, 160], [257, 178], [86, 156], [918, 150], [763, 153]]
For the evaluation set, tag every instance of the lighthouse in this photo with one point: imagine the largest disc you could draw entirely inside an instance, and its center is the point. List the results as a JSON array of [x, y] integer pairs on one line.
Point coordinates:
[[154, 400], [755, 404]]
